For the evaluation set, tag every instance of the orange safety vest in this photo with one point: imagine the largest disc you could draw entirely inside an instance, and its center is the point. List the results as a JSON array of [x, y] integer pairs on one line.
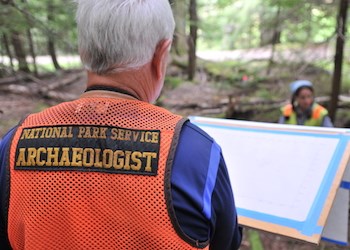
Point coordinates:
[[317, 115], [95, 174]]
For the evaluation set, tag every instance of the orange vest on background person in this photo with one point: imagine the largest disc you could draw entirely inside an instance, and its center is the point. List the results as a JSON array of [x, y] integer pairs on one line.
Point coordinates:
[[318, 113], [105, 185]]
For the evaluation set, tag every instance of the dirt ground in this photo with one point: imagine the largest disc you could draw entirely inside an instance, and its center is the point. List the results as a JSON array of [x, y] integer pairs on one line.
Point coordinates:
[[16, 103], [15, 106]]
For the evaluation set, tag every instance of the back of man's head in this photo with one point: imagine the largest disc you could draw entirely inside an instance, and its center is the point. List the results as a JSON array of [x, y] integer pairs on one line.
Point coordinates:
[[117, 35]]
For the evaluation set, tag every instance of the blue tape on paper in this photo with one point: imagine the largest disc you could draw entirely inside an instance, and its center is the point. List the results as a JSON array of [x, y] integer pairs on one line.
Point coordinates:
[[321, 197], [297, 225], [293, 133]]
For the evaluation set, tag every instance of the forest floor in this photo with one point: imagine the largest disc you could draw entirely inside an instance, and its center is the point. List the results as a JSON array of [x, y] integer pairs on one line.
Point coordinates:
[[16, 102]]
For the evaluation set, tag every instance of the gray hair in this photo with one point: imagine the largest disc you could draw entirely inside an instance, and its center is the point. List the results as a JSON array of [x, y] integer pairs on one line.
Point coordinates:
[[118, 35]]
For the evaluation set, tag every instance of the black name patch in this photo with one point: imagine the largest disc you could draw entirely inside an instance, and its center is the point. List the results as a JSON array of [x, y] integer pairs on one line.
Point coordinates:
[[89, 148]]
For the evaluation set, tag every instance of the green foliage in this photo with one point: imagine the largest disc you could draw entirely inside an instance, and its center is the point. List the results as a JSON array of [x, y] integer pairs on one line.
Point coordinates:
[[228, 24], [33, 15], [254, 239], [227, 70], [235, 24], [172, 82], [223, 25], [264, 94], [49, 67], [233, 72], [346, 79]]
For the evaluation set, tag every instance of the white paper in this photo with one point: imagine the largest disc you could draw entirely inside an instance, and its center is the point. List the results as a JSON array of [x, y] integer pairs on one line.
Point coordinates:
[[274, 173]]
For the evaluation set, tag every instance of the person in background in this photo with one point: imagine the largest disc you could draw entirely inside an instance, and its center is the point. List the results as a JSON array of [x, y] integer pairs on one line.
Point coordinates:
[[303, 110], [111, 170]]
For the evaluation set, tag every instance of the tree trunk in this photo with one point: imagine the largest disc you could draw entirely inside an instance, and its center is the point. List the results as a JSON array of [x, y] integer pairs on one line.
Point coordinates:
[[8, 51], [19, 51], [192, 40], [338, 58], [50, 41], [275, 39], [32, 51], [31, 43], [52, 53], [268, 35], [180, 39]]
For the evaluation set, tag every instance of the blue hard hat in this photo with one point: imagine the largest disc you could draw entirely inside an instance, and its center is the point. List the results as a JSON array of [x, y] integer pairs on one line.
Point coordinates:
[[294, 86]]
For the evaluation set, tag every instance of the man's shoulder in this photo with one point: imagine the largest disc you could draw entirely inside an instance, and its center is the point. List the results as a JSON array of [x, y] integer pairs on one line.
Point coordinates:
[[5, 142], [194, 143], [191, 131]]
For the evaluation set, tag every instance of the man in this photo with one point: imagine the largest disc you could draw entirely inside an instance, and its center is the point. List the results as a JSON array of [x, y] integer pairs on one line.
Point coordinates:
[[303, 110], [110, 170]]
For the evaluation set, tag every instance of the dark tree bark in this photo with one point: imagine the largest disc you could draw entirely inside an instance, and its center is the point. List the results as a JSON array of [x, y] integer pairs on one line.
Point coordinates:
[[50, 39], [269, 35], [31, 43], [192, 40], [275, 38], [338, 58], [19, 51], [52, 52], [8, 51], [6, 1], [32, 51]]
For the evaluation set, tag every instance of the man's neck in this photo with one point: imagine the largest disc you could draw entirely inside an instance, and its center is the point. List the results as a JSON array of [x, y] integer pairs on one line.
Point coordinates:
[[137, 82]]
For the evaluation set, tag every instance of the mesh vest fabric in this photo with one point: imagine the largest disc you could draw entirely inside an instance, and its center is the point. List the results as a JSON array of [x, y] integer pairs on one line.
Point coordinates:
[[317, 115], [93, 210]]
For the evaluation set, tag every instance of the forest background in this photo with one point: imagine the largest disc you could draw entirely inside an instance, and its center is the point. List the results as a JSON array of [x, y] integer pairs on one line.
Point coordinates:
[[230, 58]]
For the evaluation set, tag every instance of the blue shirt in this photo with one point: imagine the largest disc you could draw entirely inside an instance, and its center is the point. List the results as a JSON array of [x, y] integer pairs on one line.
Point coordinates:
[[202, 195]]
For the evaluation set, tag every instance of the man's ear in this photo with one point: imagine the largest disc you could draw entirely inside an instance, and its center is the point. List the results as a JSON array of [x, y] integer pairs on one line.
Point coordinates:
[[160, 57]]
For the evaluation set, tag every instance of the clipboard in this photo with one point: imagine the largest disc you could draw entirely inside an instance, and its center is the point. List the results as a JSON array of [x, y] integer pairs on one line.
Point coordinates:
[[285, 178]]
